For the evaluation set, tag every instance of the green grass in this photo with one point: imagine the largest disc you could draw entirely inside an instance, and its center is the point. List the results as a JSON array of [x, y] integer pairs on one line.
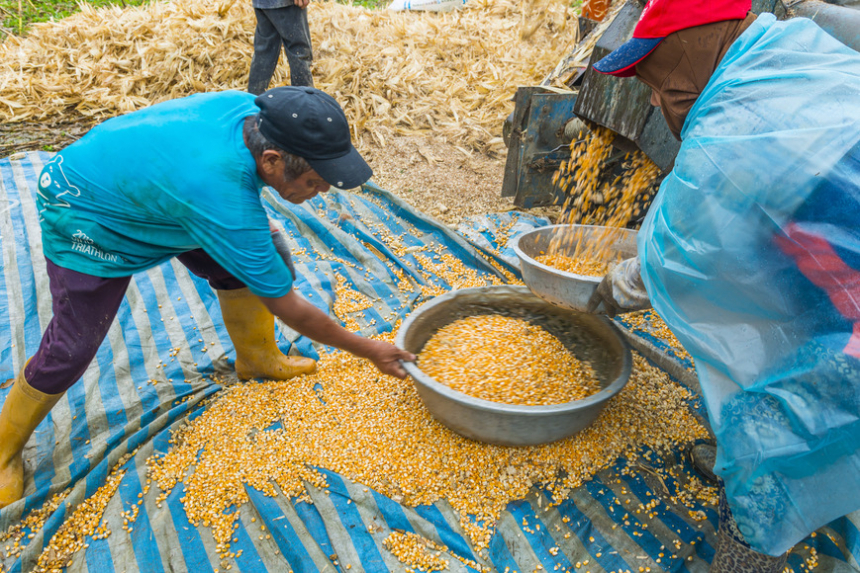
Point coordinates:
[[17, 15], [370, 3]]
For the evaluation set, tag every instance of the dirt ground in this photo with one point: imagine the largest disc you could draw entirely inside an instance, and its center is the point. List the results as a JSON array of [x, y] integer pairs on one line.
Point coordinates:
[[436, 177], [27, 136]]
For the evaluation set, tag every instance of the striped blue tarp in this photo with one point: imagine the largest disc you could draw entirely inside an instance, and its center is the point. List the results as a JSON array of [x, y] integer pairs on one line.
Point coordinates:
[[169, 330]]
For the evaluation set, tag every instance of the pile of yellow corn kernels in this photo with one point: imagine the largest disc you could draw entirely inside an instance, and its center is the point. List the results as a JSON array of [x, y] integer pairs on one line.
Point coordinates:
[[505, 359], [374, 430], [576, 265]]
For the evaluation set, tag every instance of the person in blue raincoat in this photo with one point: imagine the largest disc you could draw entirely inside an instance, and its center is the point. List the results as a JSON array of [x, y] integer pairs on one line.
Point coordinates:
[[751, 254]]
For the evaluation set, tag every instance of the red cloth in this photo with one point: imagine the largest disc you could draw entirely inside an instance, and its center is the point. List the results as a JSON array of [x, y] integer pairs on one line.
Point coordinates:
[[819, 263]]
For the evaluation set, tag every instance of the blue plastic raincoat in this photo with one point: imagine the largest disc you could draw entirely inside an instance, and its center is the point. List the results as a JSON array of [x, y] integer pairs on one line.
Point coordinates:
[[751, 254]]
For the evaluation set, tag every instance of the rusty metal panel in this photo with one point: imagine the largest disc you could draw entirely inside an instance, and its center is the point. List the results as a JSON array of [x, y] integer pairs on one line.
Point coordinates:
[[522, 101], [621, 104], [537, 146]]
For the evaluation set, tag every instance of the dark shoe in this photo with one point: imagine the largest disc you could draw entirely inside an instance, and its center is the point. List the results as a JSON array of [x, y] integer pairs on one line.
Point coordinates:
[[704, 457]]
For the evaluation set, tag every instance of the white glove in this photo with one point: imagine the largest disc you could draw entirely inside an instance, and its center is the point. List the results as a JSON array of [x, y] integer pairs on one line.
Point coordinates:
[[621, 290]]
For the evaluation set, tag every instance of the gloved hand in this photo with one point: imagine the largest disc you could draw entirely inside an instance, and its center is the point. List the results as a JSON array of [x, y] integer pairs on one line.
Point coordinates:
[[283, 250], [621, 290]]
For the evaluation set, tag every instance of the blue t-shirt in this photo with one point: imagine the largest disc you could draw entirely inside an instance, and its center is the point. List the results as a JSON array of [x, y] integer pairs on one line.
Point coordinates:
[[142, 188]]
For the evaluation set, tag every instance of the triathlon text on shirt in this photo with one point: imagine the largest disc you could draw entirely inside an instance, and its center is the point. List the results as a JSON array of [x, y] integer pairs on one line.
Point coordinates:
[[83, 244]]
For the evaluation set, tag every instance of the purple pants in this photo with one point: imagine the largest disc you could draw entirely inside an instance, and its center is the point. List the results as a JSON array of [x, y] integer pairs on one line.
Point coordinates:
[[84, 307]]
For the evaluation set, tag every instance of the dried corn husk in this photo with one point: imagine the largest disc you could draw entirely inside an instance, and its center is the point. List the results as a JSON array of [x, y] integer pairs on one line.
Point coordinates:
[[394, 72]]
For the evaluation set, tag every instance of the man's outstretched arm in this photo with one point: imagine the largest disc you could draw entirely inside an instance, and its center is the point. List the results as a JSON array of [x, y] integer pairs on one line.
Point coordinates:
[[308, 320]]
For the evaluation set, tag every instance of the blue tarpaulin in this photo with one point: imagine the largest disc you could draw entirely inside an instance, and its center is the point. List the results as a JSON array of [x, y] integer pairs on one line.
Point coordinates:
[[169, 329]]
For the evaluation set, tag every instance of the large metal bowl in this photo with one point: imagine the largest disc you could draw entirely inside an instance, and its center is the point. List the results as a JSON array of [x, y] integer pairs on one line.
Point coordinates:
[[567, 290], [589, 337]]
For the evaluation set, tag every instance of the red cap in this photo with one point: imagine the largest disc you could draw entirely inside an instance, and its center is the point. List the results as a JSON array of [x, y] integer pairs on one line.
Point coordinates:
[[661, 18]]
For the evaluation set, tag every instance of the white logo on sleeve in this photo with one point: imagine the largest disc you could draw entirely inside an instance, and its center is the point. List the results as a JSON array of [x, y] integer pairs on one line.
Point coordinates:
[[53, 184]]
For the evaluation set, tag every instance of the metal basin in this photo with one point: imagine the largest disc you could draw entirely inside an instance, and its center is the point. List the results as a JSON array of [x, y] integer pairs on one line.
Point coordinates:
[[567, 290], [589, 337]]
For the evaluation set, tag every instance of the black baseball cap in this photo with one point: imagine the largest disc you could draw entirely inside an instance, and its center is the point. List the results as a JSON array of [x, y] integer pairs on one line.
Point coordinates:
[[310, 123]]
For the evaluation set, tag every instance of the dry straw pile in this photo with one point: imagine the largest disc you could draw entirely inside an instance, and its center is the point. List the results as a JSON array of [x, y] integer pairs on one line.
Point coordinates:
[[393, 72]]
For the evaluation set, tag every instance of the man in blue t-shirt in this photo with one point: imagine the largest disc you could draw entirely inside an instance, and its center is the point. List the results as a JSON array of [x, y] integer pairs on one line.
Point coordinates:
[[183, 179]]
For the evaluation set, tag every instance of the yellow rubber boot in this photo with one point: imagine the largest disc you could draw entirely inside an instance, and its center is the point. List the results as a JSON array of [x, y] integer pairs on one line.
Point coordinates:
[[22, 411], [252, 329]]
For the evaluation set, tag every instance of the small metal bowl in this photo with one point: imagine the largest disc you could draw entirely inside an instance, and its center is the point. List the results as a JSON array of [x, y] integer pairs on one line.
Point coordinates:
[[567, 290], [587, 336]]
